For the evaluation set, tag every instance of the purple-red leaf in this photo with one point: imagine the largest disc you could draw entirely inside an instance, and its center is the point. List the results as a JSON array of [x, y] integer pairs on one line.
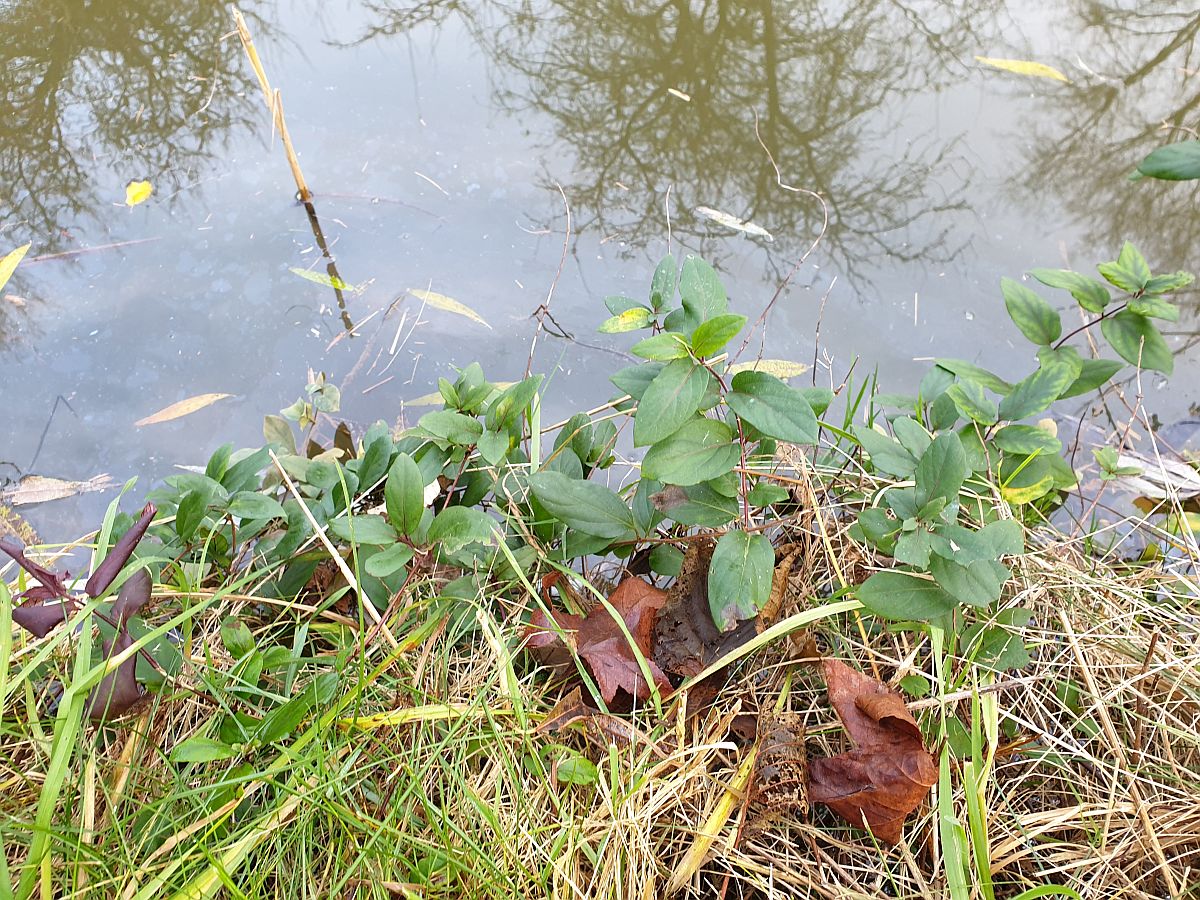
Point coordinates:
[[51, 582], [134, 594], [117, 691], [40, 616], [119, 554]]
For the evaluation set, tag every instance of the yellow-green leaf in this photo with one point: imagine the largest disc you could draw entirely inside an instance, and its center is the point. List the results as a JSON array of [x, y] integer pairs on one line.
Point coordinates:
[[138, 192], [180, 409], [8, 265], [1023, 67], [323, 279], [780, 368], [441, 301]]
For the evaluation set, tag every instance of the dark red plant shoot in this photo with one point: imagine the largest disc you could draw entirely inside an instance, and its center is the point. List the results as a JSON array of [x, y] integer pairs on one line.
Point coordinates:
[[49, 603]]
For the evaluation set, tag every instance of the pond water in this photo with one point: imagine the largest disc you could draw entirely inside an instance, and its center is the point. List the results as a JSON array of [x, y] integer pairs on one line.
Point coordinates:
[[441, 139]]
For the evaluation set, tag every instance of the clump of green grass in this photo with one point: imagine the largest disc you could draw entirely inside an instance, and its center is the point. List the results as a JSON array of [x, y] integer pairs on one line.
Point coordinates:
[[429, 769]]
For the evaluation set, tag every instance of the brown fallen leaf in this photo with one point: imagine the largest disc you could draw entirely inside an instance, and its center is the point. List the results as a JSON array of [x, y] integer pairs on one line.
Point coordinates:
[[685, 638], [39, 489], [180, 409], [600, 643], [889, 771]]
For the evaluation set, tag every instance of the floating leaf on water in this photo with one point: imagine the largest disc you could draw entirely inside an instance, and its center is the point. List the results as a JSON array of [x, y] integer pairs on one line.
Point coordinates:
[[323, 279], [675, 92], [8, 264], [442, 302], [780, 368], [1023, 67], [723, 218], [38, 489], [181, 408], [138, 192]]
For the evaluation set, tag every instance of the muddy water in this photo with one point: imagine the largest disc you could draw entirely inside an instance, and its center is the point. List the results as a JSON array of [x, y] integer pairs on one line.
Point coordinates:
[[446, 142]]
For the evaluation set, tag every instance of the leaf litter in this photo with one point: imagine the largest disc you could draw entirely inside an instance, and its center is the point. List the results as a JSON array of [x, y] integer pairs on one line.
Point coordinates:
[[875, 785], [40, 489]]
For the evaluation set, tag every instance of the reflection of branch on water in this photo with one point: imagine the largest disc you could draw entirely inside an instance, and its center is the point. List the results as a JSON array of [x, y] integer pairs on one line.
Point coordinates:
[[829, 84], [330, 265]]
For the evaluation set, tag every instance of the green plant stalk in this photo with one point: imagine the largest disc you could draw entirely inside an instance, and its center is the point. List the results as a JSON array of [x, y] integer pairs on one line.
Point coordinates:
[[67, 724]]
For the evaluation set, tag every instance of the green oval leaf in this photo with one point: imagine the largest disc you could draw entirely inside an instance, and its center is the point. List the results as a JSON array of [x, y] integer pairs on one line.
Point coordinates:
[[250, 505], [667, 345], [739, 577], [1129, 272], [711, 336], [363, 529], [583, 505], [898, 595], [1038, 391], [772, 407], [388, 562], [404, 494], [1089, 293], [458, 526], [200, 749], [1174, 162], [701, 450], [701, 290], [671, 399], [1034, 316], [1137, 341]]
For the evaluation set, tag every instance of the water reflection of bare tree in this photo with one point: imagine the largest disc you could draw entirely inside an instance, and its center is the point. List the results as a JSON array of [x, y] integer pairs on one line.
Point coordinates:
[[829, 85], [1145, 93], [148, 88]]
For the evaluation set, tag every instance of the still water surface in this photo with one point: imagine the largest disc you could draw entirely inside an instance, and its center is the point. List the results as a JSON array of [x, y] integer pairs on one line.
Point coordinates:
[[437, 137]]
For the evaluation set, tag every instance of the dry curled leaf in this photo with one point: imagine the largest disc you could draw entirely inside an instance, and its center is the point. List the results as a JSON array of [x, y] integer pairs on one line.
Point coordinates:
[[889, 772], [601, 644], [40, 489]]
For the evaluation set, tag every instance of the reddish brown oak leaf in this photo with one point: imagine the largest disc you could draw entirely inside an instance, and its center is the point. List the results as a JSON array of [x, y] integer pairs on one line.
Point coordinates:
[[601, 644], [888, 773]]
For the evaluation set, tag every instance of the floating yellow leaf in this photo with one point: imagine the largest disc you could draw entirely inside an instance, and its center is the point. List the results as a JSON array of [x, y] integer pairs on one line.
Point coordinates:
[[180, 409], [8, 265], [137, 192], [441, 301], [1023, 67], [321, 278], [780, 368], [39, 489]]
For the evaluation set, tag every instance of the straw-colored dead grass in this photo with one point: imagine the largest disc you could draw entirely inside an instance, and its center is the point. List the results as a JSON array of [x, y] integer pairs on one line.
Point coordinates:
[[450, 790]]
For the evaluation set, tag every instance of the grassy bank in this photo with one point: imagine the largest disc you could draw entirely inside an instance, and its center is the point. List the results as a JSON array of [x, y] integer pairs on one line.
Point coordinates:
[[430, 765]]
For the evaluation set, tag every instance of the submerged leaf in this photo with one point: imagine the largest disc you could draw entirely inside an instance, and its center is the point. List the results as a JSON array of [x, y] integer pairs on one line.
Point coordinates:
[[180, 409], [1023, 67], [724, 218], [138, 192], [780, 368], [39, 489], [324, 279], [447, 304]]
